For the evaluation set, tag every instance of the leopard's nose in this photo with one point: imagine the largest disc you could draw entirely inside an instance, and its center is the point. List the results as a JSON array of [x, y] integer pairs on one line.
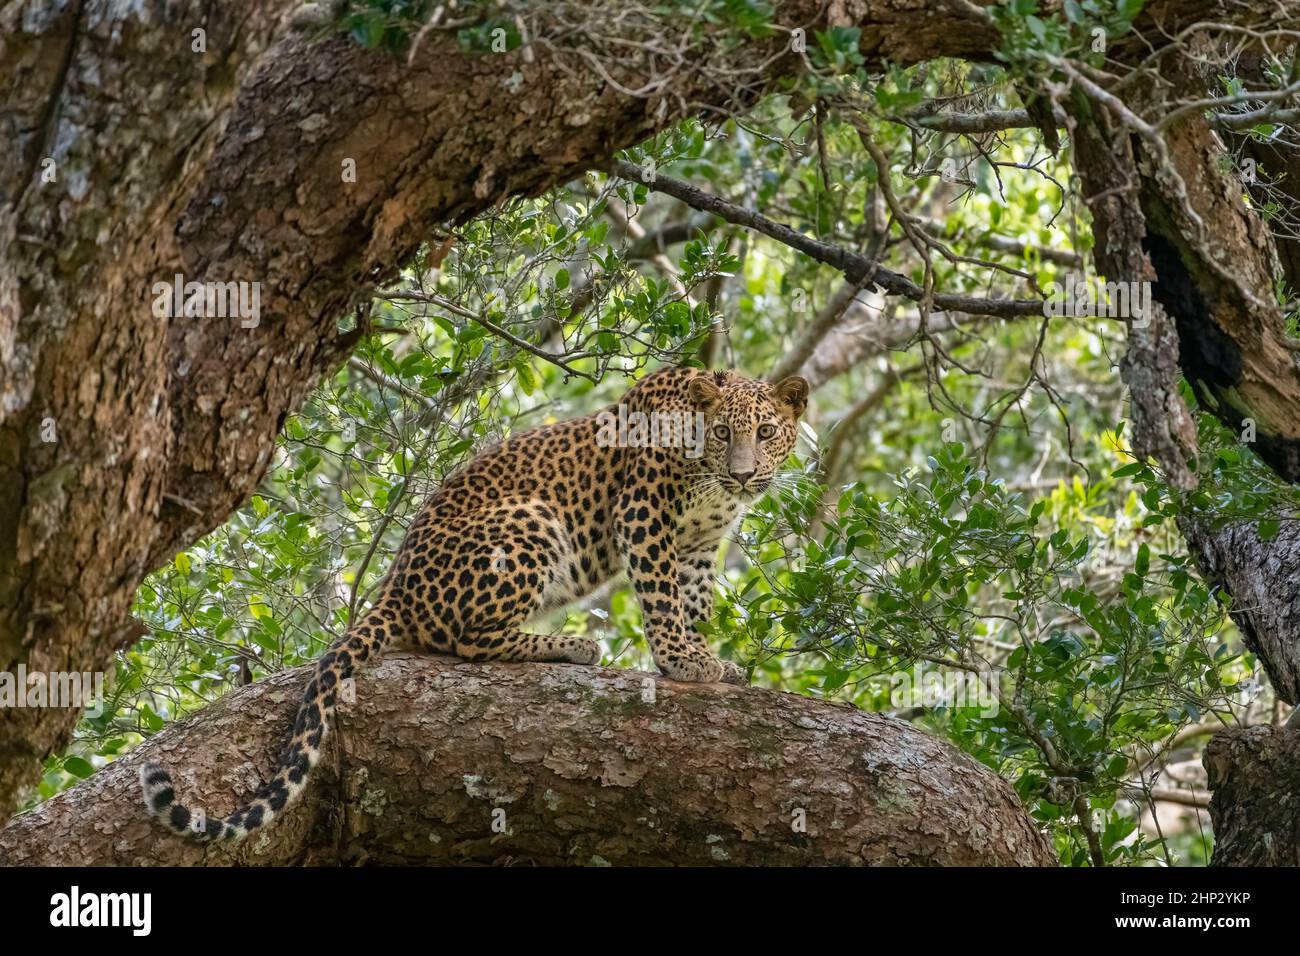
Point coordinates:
[[743, 476]]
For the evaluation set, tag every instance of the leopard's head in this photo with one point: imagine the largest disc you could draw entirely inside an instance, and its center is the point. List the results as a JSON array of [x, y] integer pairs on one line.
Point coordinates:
[[750, 428]]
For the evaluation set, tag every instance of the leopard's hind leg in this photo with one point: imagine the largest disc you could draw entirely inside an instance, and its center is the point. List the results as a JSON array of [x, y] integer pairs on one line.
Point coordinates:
[[491, 573]]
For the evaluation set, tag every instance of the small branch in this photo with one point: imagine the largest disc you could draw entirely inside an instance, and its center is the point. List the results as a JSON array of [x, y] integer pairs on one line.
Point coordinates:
[[1265, 114], [669, 234], [1184, 798], [811, 336], [1083, 810], [559, 361], [991, 122], [846, 425], [1012, 247], [387, 382], [858, 268]]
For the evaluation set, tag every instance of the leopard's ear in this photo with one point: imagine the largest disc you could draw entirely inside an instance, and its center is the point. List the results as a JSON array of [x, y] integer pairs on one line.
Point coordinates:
[[703, 393], [792, 391]]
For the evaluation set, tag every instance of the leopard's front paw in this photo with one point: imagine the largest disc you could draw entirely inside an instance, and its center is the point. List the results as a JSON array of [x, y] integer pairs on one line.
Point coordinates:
[[703, 669], [734, 674], [694, 669]]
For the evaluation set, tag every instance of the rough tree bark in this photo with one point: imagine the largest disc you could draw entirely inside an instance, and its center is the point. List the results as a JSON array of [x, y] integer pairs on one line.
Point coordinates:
[[1255, 776], [586, 767]]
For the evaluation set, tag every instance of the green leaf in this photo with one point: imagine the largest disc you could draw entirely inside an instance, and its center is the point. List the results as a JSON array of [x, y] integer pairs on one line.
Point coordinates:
[[151, 720], [78, 767], [1129, 9]]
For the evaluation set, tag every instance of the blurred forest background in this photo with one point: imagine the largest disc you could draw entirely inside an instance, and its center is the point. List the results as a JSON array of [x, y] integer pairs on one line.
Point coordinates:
[[963, 500]]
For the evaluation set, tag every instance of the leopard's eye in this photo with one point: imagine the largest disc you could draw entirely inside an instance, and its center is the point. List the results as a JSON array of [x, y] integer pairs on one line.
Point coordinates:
[[722, 432], [766, 431]]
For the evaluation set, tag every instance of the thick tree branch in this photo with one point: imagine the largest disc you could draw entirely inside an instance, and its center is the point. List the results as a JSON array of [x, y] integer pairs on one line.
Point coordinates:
[[1254, 774], [860, 339], [576, 765], [1261, 576], [990, 121]]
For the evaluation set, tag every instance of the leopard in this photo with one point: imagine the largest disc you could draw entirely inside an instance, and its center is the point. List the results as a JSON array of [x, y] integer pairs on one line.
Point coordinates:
[[535, 523]]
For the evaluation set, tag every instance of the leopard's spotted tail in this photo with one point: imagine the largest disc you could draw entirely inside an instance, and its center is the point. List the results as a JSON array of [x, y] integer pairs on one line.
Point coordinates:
[[302, 752]]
